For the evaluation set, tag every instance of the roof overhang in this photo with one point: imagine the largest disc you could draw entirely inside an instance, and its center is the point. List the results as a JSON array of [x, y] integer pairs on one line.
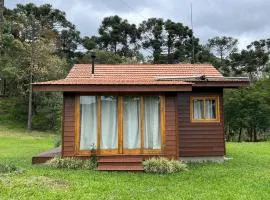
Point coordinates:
[[111, 88], [222, 84]]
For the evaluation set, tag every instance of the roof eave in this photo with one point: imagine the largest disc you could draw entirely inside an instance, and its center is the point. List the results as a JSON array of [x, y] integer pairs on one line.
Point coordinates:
[[111, 88], [223, 84]]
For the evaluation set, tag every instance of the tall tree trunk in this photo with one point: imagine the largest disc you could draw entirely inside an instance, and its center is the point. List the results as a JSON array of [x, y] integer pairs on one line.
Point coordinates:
[[115, 47], [240, 135], [169, 55], [249, 130], [1, 20], [255, 134], [29, 121], [228, 134]]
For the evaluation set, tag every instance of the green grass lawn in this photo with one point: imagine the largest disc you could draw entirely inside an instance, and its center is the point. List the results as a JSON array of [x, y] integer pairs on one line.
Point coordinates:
[[246, 176]]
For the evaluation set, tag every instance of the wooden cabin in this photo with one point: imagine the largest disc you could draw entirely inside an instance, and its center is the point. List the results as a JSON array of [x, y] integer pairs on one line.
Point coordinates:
[[130, 112]]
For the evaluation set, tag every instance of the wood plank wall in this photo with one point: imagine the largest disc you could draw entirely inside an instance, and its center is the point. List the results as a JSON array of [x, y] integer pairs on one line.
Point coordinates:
[[171, 136], [199, 139], [182, 138], [68, 134]]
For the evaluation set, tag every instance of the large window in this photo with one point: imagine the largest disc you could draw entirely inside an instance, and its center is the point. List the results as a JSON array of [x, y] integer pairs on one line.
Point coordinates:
[[120, 124], [88, 127], [109, 134], [131, 122], [152, 137], [204, 109]]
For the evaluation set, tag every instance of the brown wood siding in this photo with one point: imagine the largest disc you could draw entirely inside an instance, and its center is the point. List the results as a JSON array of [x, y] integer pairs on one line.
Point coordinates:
[[171, 141], [199, 139], [68, 143]]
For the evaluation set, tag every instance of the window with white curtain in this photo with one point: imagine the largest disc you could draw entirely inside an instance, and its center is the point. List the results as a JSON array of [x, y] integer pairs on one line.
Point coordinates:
[[152, 138], [210, 109], [88, 128], [109, 133], [131, 122], [198, 109], [205, 109], [116, 124]]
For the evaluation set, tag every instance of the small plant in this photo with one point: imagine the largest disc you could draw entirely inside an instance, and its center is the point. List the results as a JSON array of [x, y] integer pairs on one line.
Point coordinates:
[[8, 168], [57, 141], [93, 157], [71, 163], [163, 165]]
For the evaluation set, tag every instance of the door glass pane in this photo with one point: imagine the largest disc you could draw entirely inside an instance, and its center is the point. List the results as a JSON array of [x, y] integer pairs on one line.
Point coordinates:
[[197, 109], [210, 109], [152, 138], [131, 122], [88, 129], [109, 136]]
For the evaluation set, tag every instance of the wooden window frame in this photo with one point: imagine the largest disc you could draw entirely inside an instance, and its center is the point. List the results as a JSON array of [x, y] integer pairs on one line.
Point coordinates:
[[120, 149], [204, 120]]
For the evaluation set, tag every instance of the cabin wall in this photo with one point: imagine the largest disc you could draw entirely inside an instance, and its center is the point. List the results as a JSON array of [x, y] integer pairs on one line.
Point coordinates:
[[171, 127], [182, 138], [199, 139], [68, 126]]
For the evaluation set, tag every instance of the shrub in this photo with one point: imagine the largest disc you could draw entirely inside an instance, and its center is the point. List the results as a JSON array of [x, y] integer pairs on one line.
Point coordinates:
[[7, 168], [71, 163], [163, 165], [57, 141]]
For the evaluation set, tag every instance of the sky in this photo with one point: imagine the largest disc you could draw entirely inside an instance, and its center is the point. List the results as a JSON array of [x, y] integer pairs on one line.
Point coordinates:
[[246, 20]]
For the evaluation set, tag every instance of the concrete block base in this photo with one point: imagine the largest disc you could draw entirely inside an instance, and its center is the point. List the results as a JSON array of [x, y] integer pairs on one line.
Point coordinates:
[[218, 159]]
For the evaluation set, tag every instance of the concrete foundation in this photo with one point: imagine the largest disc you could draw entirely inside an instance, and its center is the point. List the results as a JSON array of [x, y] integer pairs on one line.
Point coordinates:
[[218, 159]]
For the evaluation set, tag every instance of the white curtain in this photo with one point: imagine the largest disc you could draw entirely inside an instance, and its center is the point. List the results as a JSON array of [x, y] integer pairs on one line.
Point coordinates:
[[152, 138], [109, 122], [198, 109], [88, 132], [210, 109], [131, 122]]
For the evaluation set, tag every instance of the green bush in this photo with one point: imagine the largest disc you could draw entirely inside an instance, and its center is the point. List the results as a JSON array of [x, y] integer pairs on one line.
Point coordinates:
[[7, 168], [57, 141], [163, 165], [71, 163]]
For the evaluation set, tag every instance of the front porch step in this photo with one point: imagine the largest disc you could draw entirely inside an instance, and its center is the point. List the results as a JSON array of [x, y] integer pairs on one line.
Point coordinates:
[[120, 166], [120, 163], [120, 160]]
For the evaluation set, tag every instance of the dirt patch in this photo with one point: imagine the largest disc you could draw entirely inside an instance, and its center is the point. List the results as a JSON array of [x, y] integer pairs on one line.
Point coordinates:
[[47, 182], [34, 181]]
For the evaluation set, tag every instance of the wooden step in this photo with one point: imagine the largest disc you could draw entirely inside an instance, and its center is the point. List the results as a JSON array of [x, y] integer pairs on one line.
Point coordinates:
[[120, 167], [120, 160], [120, 163]]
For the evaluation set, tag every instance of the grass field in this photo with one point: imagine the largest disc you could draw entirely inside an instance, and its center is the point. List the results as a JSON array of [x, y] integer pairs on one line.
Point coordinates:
[[246, 176]]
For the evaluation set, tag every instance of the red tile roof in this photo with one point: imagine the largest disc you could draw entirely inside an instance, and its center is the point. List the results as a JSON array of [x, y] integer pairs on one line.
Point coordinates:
[[133, 74]]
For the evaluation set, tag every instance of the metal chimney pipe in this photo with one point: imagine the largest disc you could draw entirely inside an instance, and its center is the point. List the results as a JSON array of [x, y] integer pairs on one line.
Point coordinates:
[[93, 57]]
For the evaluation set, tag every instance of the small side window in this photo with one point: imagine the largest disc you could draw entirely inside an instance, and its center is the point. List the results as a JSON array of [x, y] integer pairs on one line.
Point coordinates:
[[204, 109]]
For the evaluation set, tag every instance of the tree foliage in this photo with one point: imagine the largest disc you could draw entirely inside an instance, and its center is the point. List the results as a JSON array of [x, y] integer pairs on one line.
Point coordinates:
[[171, 42], [247, 111], [38, 43]]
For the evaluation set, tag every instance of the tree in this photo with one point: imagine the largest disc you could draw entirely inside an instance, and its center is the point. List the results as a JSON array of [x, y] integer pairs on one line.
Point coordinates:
[[118, 36], [41, 23], [90, 43], [222, 47], [53, 26], [251, 62], [1, 19], [152, 35], [247, 111], [102, 57], [170, 42]]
